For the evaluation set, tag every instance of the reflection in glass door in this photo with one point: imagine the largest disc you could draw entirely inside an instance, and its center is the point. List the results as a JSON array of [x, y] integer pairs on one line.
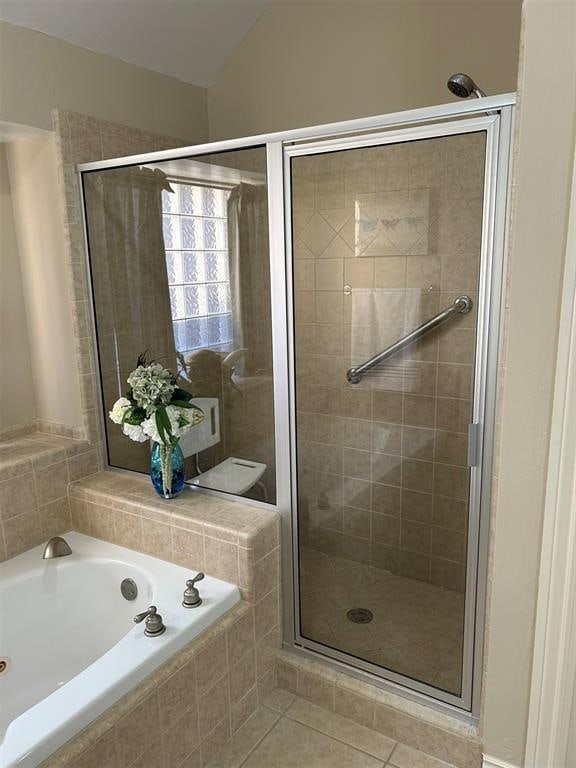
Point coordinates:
[[385, 238]]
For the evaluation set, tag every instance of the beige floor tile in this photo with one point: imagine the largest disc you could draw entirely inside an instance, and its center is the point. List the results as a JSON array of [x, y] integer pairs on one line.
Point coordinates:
[[406, 757], [292, 745], [245, 739], [341, 728]]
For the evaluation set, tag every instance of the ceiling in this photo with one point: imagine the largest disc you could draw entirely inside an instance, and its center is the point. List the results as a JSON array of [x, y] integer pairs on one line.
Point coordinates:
[[188, 39]]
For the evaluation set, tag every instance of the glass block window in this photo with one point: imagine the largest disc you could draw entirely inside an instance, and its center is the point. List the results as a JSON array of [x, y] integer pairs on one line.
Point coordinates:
[[196, 245]]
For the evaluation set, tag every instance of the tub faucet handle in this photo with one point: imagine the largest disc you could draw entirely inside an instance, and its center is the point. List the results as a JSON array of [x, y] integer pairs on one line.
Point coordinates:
[[154, 625], [192, 597]]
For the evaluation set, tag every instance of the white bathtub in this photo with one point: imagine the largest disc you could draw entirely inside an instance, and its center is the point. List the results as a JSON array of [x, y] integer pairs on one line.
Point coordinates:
[[71, 643]]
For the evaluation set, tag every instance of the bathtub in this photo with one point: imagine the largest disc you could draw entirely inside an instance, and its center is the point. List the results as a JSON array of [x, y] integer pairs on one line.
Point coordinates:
[[70, 643]]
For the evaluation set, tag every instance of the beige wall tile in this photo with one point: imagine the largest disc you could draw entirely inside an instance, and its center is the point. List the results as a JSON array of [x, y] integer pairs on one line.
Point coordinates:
[[319, 691], [242, 711], [188, 548], [177, 694], [52, 482], [213, 706], [419, 410], [181, 739], [55, 518], [242, 677], [100, 754], [22, 532], [222, 559], [156, 539], [137, 731], [17, 496], [387, 406], [416, 506], [453, 414], [355, 707], [211, 663]]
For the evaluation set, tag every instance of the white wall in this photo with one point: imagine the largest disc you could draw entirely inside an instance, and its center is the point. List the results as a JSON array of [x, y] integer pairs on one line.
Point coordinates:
[[39, 220], [40, 72], [541, 196], [305, 63], [37, 74], [17, 398]]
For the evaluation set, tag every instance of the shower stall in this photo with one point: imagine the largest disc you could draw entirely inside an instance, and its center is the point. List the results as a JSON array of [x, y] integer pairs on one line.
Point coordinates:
[[359, 368]]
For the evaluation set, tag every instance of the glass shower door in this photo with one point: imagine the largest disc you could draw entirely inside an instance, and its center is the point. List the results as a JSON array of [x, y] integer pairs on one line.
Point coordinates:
[[386, 237]]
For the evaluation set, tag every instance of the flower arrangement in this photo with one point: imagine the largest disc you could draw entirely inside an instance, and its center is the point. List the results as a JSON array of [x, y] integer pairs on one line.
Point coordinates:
[[156, 409]]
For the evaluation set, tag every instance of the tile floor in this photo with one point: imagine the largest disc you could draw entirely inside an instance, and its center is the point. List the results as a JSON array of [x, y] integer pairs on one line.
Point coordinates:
[[416, 629], [288, 732]]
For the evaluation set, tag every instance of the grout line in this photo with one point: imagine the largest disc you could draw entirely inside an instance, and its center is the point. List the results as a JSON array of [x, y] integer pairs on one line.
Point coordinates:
[[261, 739], [336, 738]]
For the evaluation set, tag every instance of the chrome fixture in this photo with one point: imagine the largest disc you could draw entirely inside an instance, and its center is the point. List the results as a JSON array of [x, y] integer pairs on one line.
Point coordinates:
[[462, 305], [56, 547], [154, 625], [192, 597], [463, 86], [129, 589]]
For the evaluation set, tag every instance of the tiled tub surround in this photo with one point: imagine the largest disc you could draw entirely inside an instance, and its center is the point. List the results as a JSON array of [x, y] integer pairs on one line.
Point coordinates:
[[79, 651], [184, 712], [35, 470], [415, 726], [382, 464], [230, 540], [187, 709]]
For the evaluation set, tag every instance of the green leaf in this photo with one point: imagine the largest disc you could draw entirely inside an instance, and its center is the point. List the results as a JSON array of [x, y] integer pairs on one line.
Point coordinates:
[[181, 394], [134, 416], [160, 425], [164, 426], [182, 404]]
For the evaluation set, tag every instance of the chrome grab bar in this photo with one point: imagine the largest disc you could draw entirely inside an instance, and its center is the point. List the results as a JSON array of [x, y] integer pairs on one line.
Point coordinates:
[[462, 305]]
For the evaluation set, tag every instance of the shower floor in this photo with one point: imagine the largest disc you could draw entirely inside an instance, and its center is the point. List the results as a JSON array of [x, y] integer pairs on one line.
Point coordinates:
[[416, 628]]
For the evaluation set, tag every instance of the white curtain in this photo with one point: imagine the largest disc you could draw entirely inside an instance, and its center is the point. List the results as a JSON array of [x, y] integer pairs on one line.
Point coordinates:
[[124, 211], [248, 264]]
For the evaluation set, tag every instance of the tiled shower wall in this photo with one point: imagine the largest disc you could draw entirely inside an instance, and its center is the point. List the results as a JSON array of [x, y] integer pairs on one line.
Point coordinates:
[[384, 238]]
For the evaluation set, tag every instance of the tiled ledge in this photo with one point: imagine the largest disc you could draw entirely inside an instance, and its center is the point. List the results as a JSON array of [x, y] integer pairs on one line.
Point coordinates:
[[35, 470], [230, 540], [37, 450], [416, 725]]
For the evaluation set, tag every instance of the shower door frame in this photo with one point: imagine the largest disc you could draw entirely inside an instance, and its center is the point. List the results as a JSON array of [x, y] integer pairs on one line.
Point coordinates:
[[481, 437], [279, 209]]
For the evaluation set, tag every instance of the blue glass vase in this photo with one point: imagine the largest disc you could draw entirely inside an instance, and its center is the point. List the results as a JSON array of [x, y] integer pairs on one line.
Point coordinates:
[[167, 470]]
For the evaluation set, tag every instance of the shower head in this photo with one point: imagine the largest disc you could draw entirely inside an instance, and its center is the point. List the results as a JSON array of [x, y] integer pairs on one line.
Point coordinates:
[[463, 86]]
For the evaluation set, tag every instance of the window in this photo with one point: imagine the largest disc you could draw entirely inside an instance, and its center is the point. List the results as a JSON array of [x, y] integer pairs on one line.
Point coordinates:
[[196, 245]]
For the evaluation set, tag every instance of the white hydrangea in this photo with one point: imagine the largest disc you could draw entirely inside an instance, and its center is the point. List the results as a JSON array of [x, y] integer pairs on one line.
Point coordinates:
[[119, 409], [181, 420], [134, 432], [152, 385]]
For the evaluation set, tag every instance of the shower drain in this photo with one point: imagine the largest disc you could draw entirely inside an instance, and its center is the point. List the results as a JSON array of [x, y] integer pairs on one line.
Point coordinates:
[[360, 615]]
